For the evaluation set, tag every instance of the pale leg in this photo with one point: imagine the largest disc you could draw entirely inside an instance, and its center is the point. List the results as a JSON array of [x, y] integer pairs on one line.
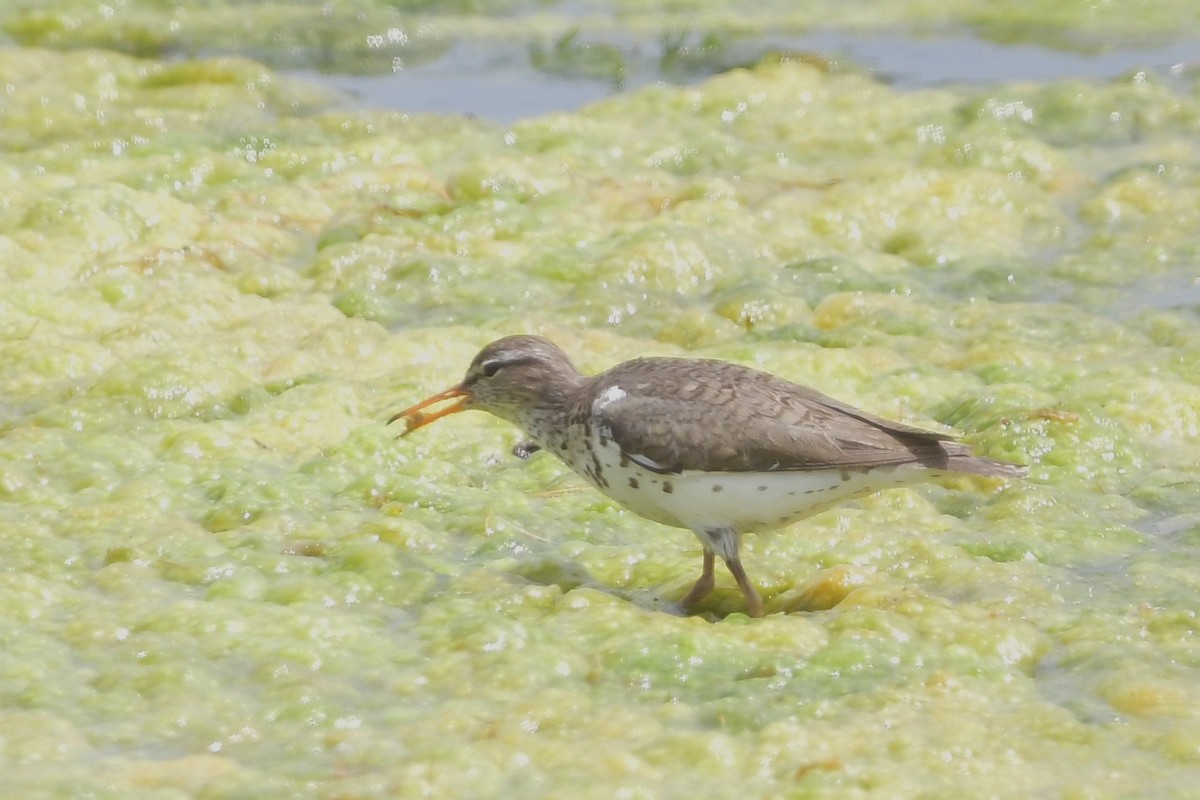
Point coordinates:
[[724, 541], [754, 602], [703, 586]]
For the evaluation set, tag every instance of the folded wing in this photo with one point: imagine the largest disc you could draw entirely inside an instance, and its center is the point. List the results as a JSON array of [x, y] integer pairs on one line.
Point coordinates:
[[765, 423]]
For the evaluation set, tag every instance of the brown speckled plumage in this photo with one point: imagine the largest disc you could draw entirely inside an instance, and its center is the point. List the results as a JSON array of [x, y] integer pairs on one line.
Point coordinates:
[[708, 445], [766, 423]]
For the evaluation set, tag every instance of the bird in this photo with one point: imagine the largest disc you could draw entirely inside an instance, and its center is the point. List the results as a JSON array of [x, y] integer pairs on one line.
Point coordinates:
[[712, 446]]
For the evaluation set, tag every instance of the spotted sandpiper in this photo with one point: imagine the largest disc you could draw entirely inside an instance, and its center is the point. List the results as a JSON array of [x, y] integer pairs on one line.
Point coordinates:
[[712, 446]]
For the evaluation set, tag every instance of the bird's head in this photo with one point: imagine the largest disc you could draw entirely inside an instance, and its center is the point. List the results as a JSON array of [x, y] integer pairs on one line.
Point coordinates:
[[511, 378]]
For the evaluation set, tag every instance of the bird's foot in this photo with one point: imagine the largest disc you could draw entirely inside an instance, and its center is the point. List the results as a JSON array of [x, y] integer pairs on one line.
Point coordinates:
[[525, 449]]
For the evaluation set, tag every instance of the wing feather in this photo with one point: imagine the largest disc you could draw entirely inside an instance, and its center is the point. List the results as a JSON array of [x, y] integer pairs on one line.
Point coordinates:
[[726, 417]]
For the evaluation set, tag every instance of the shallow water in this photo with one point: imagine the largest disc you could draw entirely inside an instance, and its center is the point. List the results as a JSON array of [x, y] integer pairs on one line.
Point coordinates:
[[497, 83]]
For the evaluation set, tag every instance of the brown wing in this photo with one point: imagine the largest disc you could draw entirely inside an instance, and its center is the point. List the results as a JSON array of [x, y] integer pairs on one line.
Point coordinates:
[[686, 414]]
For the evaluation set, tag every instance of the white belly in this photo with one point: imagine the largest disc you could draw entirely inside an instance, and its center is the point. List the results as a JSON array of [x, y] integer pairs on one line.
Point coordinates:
[[743, 501], [749, 502]]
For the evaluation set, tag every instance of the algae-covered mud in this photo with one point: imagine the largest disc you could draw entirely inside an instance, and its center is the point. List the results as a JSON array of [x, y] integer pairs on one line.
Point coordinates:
[[222, 576]]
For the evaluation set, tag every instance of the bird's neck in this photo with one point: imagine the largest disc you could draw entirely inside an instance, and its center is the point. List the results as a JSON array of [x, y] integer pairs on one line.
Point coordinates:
[[551, 406]]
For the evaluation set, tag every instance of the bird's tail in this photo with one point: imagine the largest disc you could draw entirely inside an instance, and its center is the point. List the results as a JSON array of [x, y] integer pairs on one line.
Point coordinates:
[[982, 465]]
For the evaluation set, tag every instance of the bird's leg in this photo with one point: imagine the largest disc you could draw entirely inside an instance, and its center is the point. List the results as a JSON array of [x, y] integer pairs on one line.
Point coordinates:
[[724, 540], [703, 586], [754, 602]]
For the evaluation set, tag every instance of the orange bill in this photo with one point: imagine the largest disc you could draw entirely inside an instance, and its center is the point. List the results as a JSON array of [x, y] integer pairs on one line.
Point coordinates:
[[417, 417]]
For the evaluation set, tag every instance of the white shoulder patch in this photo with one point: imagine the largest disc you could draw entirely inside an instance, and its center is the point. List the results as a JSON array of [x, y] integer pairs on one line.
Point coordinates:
[[610, 395]]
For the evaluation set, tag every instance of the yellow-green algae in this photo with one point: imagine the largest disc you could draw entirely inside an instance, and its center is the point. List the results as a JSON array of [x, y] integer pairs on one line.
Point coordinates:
[[223, 576]]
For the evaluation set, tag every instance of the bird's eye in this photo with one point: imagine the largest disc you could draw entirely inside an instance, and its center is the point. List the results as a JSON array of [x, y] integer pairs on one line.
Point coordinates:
[[490, 368]]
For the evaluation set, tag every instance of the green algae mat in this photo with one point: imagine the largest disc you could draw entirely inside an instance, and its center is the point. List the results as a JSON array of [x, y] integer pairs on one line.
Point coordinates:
[[222, 576]]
